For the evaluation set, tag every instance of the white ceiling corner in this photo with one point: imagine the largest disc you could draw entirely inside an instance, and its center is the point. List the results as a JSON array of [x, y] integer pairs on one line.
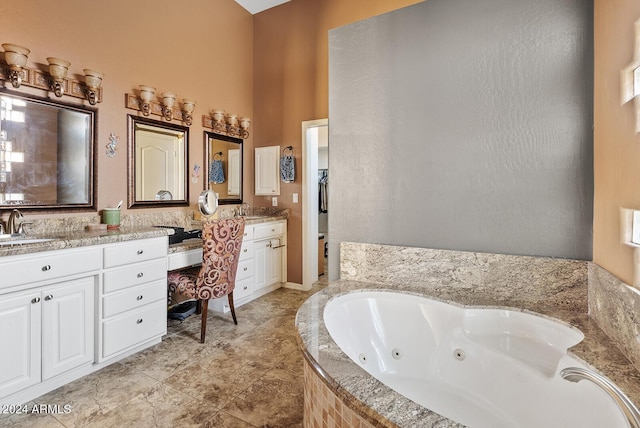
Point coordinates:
[[257, 6]]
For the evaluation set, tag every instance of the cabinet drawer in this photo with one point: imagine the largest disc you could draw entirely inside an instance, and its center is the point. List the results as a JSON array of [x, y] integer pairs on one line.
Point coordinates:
[[185, 258], [17, 270], [269, 230], [248, 233], [135, 274], [243, 289], [246, 252], [136, 297], [245, 269], [134, 328], [135, 251]]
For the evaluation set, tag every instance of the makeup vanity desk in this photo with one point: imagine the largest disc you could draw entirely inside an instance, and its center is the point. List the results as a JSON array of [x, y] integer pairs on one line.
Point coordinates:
[[263, 260]]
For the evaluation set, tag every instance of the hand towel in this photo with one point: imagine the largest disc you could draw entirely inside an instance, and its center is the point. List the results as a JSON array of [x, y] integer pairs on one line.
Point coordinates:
[[288, 169], [216, 172]]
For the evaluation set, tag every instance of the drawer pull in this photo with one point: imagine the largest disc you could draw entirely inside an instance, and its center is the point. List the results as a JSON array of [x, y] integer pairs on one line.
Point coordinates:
[[140, 275], [244, 251], [139, 321], [46, 268], [268, 245], [35, 300], [245, 287], [48, 297], [245, 269], [140, 252], [139, 297], [273, 230]]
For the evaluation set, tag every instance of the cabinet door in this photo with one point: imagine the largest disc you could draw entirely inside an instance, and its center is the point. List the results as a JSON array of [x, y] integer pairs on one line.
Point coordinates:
[[267, 170], [275, 263], [260, 254], [67, 326], [268, 259], [20, 338]]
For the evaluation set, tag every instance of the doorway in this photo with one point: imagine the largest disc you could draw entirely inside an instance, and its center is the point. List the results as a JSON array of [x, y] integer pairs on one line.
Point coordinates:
[[313, 132]]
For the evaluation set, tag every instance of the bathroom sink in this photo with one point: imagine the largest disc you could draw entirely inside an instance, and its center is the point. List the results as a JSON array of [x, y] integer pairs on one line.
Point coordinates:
[[23, 241]]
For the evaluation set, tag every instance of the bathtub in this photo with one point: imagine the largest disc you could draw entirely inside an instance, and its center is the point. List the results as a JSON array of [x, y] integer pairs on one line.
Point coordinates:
[[476, 366]]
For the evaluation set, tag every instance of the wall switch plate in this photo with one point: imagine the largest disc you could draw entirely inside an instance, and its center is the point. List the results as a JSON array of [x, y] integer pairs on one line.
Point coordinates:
[[295, 198], [274, 201]]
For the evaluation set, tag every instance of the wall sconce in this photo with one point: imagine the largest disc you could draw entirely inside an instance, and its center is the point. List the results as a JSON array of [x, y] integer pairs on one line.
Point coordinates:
[[146, 94], [16, 58], [58, 70], [232, 124], [93, 80], [187, 109], [244, 127], [218, 121], [168, 100]]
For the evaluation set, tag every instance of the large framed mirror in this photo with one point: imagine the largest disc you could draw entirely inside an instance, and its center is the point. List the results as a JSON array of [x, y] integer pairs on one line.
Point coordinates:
[[223, 174], [47, 155], [158, 156]]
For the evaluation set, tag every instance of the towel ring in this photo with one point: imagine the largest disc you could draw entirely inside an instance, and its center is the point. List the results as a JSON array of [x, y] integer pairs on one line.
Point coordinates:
[[284, 151], [217, 154]]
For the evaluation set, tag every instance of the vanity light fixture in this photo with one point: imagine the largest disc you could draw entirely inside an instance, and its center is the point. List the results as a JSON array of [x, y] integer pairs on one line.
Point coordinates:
[[16, 58], [226, 123], [93, 80], [146, 94], [168, 100], [187, 109], [58, 69]]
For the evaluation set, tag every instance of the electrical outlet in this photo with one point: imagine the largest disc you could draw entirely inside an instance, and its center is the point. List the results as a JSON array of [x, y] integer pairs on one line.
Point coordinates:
[[295, 198], [274, 201]]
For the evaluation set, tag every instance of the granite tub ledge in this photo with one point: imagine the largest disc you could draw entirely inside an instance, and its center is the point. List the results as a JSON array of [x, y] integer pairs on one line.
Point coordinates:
[[61, 240], [384, 407]]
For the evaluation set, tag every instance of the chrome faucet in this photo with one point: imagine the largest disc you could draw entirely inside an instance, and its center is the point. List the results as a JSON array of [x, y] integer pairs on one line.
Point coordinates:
[[15, 224], [631, 412], [243, 209]]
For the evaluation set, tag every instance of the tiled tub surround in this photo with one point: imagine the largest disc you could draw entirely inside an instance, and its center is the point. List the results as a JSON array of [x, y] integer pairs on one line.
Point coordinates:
[[552, 287]]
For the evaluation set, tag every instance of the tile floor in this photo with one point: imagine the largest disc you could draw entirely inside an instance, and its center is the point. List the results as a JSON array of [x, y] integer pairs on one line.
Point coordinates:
[[249, 375]]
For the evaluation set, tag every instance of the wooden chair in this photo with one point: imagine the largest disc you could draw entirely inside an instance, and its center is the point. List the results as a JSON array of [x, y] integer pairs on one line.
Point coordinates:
[[222, 240]]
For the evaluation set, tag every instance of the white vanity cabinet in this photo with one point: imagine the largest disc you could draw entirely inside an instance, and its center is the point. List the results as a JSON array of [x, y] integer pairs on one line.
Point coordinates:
[[269, 242], [133, 296], [262, 264], [267, 171], [47, 317]]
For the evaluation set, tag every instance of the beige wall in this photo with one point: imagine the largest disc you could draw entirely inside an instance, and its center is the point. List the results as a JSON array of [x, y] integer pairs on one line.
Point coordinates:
[[616, 145], [198, 49], [291, 84]]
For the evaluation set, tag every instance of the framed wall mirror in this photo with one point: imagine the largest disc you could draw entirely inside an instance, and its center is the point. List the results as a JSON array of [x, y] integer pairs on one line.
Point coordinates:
[[46, 154], [158, 155], [224, 167]]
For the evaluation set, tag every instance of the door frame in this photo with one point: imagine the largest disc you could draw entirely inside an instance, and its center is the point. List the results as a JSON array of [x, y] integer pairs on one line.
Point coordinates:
[[310, 201]]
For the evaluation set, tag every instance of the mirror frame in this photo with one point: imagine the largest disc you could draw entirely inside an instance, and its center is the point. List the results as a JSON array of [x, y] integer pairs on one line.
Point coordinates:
[[92, 160], [132, 121], [208, 136]]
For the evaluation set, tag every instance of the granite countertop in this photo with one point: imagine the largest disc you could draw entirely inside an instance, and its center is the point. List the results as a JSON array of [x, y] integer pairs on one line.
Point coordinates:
[[61, 240], [194, 243], [370, 397]]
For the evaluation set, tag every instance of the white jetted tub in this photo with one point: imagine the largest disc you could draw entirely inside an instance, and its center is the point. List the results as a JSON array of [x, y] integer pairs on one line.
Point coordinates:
[[479, 367]]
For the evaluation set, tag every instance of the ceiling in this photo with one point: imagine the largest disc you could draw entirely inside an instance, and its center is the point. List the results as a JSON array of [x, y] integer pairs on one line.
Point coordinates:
[[257, 6]]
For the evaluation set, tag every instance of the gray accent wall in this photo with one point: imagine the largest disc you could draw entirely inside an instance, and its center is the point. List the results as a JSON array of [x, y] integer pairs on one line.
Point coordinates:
[[464, 125]]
